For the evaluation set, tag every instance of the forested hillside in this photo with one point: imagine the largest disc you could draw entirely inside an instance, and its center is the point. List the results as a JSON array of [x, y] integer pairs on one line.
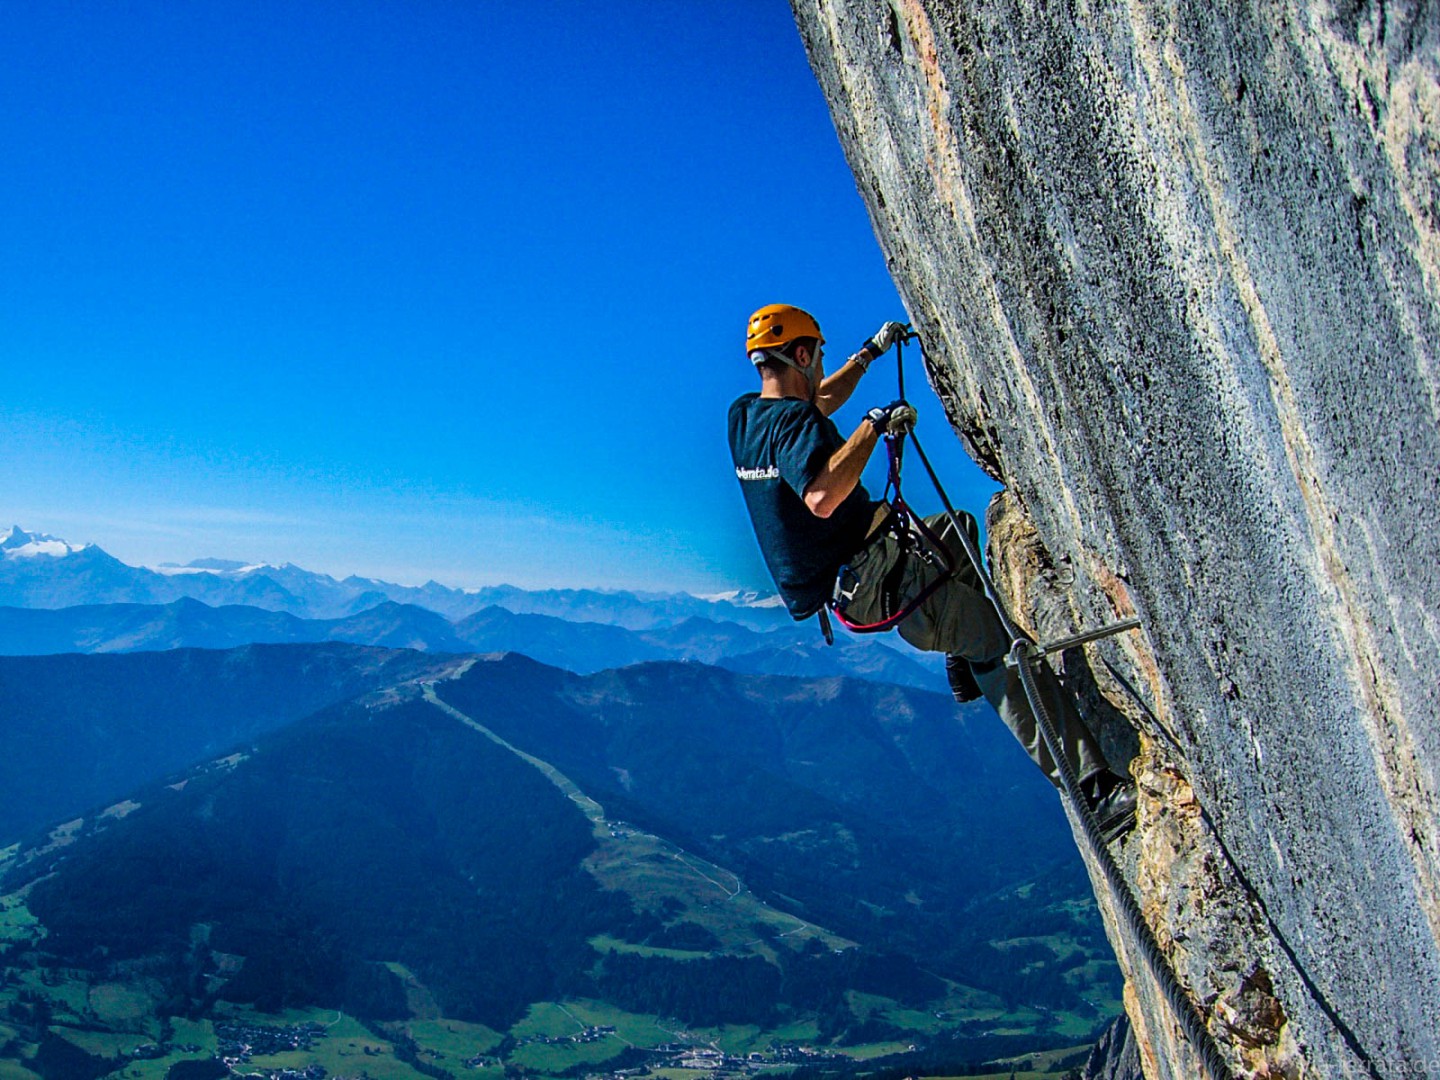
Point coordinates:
[[825, 856]]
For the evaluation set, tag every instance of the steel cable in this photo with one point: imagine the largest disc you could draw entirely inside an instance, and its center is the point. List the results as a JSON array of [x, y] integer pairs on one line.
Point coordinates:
[[1022, 654]]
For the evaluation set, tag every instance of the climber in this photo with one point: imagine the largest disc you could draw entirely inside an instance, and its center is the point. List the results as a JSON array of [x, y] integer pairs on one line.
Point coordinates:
[[826, 542]]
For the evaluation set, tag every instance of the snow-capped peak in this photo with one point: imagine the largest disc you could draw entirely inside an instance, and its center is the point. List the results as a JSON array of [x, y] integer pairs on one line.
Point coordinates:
[[221, 568], [24, 545], [743, 598]]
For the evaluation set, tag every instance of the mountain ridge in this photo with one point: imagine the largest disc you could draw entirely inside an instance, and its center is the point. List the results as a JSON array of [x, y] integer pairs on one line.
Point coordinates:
[[82, 730], [580, 646]]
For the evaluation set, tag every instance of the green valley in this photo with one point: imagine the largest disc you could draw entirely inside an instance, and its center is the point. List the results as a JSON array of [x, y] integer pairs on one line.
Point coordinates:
[[500, 869], [119, 1030]]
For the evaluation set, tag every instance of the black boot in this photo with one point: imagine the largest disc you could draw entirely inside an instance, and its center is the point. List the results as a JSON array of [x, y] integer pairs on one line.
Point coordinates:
[[962, 680], [1112, 801]]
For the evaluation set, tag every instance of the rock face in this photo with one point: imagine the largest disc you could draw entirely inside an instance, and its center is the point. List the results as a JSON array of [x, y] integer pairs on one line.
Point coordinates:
[[1114, 1056], [1177, 271]]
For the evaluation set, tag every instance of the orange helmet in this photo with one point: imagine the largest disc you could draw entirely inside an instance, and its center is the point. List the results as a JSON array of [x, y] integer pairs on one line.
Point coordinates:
[[776, 325]]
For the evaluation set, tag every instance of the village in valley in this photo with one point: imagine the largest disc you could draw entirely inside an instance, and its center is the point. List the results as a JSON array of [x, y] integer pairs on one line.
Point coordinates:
[[239, 1043]]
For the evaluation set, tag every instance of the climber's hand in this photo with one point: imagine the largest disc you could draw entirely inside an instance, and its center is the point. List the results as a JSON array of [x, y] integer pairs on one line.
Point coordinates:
[[897, 418], [886, 336]]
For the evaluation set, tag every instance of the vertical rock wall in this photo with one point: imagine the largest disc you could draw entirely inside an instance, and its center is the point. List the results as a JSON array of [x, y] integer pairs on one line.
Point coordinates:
[[1177, 269]]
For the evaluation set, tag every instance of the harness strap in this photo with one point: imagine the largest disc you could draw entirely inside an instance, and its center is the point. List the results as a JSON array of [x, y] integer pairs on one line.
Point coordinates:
[[906, 526], [825, 628]]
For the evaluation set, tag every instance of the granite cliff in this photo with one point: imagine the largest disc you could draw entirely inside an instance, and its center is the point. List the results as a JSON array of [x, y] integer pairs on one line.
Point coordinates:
[[1176, 267]]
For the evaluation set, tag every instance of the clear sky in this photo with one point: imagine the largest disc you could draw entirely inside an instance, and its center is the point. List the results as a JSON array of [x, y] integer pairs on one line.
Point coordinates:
[[418, 288]]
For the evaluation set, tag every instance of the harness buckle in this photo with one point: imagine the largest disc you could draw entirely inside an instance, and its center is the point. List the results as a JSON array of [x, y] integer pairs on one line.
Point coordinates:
[[846, 584]]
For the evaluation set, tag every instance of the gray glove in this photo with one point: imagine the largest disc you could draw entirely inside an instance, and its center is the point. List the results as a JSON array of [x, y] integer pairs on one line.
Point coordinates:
[[886, 336], [897, 418]]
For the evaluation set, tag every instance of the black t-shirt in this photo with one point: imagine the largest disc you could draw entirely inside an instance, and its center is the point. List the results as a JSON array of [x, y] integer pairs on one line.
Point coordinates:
[[779, 445]]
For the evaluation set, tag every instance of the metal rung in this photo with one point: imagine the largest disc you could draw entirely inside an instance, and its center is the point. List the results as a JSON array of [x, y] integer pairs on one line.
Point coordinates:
[[1090, 635]]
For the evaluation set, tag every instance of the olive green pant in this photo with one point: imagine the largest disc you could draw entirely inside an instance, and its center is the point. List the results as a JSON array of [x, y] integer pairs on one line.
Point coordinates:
[[958, 619]]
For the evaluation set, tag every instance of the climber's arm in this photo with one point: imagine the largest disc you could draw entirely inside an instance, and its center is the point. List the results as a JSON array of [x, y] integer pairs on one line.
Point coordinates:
[[836, 389], [840, 475]]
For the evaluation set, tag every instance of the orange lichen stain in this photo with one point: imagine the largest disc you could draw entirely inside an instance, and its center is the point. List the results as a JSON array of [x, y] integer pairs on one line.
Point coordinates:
[[943, 156], [1144, 1041], [1136, 646]]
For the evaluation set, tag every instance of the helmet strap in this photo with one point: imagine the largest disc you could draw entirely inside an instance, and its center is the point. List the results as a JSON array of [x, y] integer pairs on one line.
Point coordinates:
[[779, 354]]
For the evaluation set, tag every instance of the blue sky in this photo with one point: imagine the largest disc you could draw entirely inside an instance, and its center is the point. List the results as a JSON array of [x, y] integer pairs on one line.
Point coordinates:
[[415, 289]]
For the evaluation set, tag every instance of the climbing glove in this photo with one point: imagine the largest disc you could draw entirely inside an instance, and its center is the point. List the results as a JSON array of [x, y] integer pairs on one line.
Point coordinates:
[[886, 336], [897, 418]]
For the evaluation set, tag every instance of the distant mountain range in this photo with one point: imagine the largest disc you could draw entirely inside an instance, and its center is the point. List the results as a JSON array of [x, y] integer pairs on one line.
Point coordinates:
[[121, 608], [40, 571]]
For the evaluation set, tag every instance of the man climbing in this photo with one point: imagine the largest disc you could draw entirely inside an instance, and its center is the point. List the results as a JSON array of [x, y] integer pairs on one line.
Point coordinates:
[[827, 543]]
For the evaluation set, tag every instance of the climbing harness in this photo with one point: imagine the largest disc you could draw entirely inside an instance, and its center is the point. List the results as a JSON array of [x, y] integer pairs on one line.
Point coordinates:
[[1023, 655], [915, 539]]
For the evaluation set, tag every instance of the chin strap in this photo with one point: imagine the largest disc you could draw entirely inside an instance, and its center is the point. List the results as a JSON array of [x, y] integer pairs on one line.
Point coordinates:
[[779, 357]]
